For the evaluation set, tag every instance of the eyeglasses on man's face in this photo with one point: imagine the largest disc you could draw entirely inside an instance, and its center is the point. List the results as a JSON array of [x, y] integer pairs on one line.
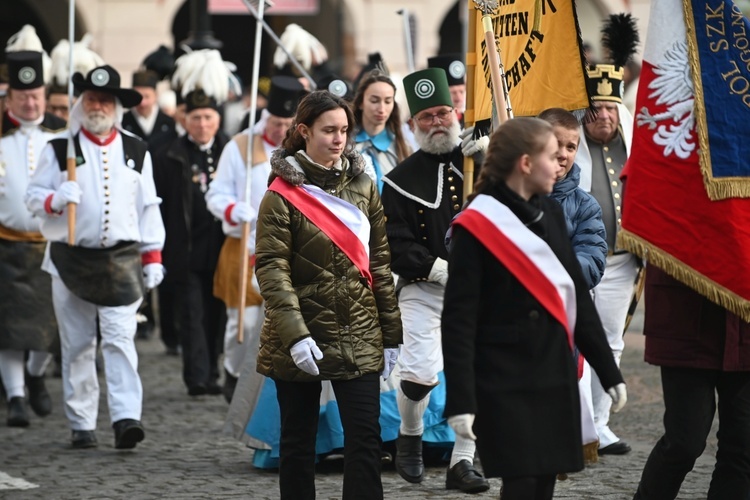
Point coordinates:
[[443, 116]]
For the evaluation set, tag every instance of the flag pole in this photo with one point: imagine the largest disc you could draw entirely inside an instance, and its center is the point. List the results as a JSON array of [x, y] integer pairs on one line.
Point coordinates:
[[244, 257], [488, 9], [408, 42], [71, 153]]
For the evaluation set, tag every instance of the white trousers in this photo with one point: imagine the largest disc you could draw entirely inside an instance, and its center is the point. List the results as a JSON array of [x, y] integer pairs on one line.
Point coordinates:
[[76, 319], [234, 352], [612, 297], [421, 357]]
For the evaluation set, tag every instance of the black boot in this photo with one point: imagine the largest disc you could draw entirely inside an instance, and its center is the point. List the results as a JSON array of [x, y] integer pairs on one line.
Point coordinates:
[[465, 477], [230, 384], [409, 463], [39, 398], [17, 414]]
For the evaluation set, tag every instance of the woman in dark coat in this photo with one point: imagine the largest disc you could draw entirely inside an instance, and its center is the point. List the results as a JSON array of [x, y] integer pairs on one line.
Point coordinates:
[[509, 323]]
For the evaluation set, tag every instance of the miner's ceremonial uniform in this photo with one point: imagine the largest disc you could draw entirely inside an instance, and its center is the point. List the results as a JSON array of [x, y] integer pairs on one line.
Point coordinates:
[[27, 320], [118, 234], [421, 196], [601, 165]]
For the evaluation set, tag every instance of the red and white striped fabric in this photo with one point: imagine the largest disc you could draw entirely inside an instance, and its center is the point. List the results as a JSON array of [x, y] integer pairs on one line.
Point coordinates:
[[528, 257]]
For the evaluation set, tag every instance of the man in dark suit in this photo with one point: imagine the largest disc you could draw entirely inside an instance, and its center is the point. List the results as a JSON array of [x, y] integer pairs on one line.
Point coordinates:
[[146, 120]]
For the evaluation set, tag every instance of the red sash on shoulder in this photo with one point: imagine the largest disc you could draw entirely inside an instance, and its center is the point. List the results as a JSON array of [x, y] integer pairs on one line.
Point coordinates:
[[329, 222], [526, 255]]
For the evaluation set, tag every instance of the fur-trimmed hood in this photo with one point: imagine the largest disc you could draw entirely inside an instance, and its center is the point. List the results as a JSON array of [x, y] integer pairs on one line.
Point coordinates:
[[293, 173]]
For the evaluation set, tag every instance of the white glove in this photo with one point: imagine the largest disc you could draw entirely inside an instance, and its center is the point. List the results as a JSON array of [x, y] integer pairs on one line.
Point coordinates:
[[619, 397], [439, 271], [461, 425], [241, 212], [303, 353], [390, 355], [471, 146], [153, 274], [68, 192]]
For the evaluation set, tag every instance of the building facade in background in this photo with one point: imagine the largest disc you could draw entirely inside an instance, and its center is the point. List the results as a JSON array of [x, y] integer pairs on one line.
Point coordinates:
[[126, 30]]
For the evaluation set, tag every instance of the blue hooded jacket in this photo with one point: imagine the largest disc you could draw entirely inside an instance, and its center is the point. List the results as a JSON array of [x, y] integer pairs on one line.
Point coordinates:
[[583, 216]]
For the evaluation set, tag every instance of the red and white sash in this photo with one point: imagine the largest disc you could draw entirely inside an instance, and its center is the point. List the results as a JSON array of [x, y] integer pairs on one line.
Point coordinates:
[[528, 257], [346, 226]]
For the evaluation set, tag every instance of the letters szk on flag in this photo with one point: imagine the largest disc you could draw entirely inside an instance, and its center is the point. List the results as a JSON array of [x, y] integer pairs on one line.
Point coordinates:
[[685, 207]]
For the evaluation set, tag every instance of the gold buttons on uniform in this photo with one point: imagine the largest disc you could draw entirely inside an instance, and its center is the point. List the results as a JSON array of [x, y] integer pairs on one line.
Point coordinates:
[[420, 211], [450, 178], [617, 196], [456, 206], [421, 225], [454, 198], [618, 208], [611, 171], [453, 188], [606, 148], [424, 237], [614, 183], [609, 160]]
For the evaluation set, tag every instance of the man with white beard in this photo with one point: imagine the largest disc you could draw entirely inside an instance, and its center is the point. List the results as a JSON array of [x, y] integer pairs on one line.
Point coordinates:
[[116, 254], [421, 196]]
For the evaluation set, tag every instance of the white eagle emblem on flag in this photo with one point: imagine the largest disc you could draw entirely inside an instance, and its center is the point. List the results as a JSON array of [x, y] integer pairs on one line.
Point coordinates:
[[672, 87]]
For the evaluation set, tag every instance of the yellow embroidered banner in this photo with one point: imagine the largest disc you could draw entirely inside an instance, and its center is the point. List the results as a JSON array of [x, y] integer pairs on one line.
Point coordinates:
[[540, 48]]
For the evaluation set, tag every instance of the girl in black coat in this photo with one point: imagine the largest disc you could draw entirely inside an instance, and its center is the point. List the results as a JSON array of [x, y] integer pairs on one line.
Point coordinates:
[[515, 301]]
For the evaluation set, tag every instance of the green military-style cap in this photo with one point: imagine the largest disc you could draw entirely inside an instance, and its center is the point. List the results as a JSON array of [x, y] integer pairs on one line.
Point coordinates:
[[427, 88]]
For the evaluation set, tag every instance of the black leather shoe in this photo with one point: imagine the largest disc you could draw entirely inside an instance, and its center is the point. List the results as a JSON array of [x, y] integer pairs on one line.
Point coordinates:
[[213, 388], [465, 477], [128, 433], [83, 439], [409, 463], [17, 414], [616, 448], [197, 390], [39, 398], [230, 384]]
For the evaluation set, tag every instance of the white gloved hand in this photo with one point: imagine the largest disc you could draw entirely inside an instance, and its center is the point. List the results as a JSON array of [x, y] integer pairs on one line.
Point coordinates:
[[241, 212], [439, 271], [390, 356], [619, 397], [153, 274], [471, 146], [461, 425], [304, 353], [68, 192]]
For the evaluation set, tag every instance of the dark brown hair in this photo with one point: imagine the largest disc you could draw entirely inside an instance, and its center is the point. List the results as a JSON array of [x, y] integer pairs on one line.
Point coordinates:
[[309, 109], [558, 117], [511, 140], [394, 120]]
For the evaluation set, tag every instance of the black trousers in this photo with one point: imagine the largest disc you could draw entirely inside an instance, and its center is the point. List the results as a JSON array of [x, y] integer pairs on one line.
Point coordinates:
[[168, 320], [690, 405], [359, 406], [528, 488], [202, 323]]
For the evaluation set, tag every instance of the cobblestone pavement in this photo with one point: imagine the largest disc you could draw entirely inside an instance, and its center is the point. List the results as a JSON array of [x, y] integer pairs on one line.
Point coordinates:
[[186, 456]]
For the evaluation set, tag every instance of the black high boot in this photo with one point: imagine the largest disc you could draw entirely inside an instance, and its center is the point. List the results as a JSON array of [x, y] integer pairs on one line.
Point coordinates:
[[409, 463], [17, 414], [39, 398]]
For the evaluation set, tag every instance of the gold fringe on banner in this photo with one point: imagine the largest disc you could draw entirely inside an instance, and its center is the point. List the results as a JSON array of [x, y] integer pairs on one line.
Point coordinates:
[[725, 187], [685, 274]]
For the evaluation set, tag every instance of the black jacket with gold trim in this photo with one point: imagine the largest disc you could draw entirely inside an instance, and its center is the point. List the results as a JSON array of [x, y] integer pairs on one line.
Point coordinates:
[[420, 198]]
